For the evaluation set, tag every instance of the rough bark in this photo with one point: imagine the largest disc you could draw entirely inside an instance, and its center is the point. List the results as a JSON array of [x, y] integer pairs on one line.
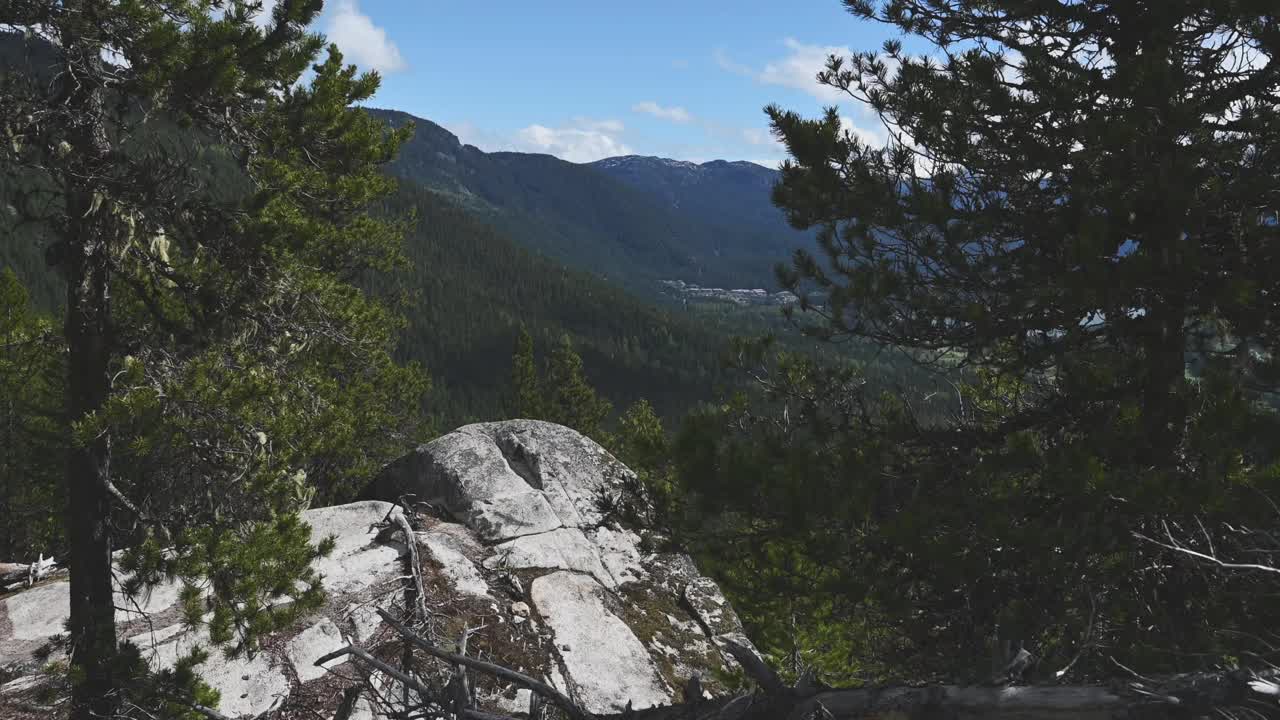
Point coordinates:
[[92, 624], [1166, 222], [86, 264]]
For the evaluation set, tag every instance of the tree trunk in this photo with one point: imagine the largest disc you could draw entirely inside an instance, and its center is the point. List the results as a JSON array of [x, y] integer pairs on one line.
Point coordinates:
[[1164, 408], [86, 262], [1165, 204], [92, 625], [6, 472]]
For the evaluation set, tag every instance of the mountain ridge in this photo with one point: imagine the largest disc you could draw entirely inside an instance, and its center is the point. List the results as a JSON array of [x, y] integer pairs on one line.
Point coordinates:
[[623, 218], [673, 162]]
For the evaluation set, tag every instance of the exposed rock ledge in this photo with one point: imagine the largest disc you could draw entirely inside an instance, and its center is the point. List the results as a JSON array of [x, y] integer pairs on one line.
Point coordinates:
[[520, 545]]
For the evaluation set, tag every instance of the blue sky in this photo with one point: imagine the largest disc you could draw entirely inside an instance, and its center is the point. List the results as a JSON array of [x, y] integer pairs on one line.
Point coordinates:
[[590, 79]]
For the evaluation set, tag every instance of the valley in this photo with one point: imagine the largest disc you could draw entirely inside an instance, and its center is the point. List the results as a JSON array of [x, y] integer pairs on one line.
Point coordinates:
[[505, 241], [634, 221]]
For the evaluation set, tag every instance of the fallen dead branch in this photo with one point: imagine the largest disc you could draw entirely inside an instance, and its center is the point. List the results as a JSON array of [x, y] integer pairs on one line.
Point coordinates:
[[551, 694], [1194, 695], [16, 575], [1228, 695], [365, 657]]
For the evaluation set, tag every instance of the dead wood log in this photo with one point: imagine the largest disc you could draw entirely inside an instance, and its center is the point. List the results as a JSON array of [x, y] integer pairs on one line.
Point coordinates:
[[347, 706], [757, 669], [1178, 698], [1181, 697], [461, 684], [471, 714], [404, 679], [550, 693], [14, 575], [415, 598], [411, 542]]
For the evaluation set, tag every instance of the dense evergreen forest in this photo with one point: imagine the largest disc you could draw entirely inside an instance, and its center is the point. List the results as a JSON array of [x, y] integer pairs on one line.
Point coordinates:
[[470, 289], [1019, 427]]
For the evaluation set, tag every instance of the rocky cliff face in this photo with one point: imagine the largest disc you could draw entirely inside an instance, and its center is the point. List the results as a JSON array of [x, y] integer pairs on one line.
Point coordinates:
[[520, 532]]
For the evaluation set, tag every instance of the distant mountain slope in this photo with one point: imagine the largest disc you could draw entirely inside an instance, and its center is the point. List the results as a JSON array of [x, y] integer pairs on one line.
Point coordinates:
[[737, 193], [473, 287], [470, 288], [628, 223]]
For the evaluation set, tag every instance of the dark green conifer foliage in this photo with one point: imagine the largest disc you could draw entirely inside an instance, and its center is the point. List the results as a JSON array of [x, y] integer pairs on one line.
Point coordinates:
[[642, 441], [643, 445], [527, 398], [224, 370], [1075, 200], [33, 434], [571, 400], [561, 393]]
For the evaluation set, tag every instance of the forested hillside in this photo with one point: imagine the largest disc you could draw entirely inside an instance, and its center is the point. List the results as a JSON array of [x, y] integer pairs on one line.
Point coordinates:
[[474, 280], [725, 234], [468, 291], [471, 289], [468, 288], [735, 195]]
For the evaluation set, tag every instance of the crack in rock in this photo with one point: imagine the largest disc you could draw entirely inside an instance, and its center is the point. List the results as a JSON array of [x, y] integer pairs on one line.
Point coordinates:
[[519, 460]]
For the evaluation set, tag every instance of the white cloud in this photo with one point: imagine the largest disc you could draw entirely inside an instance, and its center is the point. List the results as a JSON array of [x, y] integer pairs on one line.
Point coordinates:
[[585, 140], [798, 70], [674, 113], [487, 140], [763, 141], [579, 144], [606, 126], [581, 140], [875, 137], [363, 42], [760, 137], [726, 63]]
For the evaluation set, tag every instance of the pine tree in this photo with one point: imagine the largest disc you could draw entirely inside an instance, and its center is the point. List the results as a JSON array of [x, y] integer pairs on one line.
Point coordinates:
[[642, 441], [207, 217], [1074, 198], [32, 432], [561, 394], [527, 394], [643, 445], [1079, 192], [571, 400]]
